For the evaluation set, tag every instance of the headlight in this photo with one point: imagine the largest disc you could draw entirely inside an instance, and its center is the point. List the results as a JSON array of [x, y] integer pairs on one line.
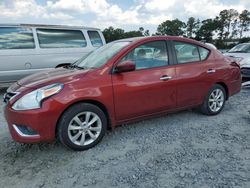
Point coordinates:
[[33, 99]]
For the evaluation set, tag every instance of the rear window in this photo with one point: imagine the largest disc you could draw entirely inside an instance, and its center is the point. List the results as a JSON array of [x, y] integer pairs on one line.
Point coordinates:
[[16, 38], [203, 53], [95, 38], [58, 38], [188, 53]]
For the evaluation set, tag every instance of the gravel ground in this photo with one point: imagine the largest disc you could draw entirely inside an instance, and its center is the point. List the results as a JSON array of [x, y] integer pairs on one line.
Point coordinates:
[[184, 149]]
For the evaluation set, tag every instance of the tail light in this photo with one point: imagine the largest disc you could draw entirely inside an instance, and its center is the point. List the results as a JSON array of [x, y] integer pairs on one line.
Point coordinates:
[[234, 61]]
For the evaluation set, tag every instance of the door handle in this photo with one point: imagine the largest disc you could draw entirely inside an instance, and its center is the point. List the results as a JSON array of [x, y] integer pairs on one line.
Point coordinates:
[[211, 71], [164, 78]]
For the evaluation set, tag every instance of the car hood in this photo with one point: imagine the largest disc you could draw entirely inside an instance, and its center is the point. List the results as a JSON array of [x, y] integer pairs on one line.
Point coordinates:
[[242, 55], [245, 63], [244, 58], [57, 75]]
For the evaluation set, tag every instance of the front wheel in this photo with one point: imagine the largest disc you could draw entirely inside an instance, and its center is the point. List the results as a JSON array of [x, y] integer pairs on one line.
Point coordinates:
[[214, 101], [82, 126]]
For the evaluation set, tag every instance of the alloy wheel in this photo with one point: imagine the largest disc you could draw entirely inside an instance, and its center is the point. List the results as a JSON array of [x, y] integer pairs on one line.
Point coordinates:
[[84, 128], [216, 100]]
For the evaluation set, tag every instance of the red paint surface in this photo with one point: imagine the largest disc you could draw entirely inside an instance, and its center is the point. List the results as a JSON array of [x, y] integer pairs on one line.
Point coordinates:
[[126, 96]]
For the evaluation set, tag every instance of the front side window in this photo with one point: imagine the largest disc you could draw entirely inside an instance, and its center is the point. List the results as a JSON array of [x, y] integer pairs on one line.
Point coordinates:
[[58, 38], [95, 38], [149, 55], [186, 52], [16, 38]]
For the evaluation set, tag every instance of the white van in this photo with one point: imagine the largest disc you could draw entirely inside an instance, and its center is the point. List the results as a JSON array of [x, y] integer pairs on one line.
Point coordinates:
[[26, 49]]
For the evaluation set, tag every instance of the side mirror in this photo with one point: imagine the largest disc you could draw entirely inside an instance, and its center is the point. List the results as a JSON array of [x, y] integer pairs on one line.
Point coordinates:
[[125, 66]]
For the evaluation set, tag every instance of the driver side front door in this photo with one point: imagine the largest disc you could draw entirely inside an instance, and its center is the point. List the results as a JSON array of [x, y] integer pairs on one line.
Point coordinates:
[[150, 88]]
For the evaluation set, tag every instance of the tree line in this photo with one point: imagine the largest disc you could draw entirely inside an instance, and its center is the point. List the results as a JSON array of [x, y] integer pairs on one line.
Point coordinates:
[[227, 26]]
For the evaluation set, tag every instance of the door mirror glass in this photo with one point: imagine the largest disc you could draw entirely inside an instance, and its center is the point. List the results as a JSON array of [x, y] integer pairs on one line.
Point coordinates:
[[125, 66]]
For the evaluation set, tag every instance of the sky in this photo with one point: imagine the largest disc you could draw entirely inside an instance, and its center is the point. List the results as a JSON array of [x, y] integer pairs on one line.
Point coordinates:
[[126, 14]]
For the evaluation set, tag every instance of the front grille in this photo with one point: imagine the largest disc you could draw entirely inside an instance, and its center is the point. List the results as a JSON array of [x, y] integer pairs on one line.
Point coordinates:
[[245, 71], [8, 96]]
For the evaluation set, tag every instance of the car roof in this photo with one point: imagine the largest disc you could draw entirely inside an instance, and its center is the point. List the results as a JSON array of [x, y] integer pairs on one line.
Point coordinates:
[[48, 26], [177, 38]]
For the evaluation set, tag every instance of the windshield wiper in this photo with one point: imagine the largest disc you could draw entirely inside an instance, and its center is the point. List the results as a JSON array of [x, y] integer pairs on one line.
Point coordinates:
[[73, 66], [238, 51]]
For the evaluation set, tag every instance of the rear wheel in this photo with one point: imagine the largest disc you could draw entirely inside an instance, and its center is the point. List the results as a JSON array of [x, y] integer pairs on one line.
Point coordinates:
[[82, 126], [214, 101]]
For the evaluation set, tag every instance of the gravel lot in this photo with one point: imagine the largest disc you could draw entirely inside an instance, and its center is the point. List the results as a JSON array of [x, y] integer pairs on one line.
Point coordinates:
[[184, 149]]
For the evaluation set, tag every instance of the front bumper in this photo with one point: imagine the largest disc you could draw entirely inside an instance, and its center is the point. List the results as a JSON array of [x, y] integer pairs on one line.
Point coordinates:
[[42, 121]]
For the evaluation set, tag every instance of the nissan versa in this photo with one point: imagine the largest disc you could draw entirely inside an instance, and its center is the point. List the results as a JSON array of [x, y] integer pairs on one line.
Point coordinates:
[[123, 81]]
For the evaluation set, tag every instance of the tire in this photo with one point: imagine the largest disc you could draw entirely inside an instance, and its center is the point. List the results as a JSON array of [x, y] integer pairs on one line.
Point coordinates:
[[211, 105], [82, 126]]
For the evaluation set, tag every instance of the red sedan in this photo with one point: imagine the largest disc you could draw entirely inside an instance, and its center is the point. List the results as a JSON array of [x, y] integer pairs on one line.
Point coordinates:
[[123, 81]]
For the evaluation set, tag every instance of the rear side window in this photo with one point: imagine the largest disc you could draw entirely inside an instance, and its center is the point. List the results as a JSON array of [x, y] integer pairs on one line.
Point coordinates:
[[203, 53], [95, 38], [58, 38], [16, 38], [186, 52]]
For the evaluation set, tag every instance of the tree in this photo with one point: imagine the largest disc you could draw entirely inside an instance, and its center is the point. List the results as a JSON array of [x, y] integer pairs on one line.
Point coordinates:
[[192, 26], [197, 27], [231, 21], [227, 25], [225, 19], [112, 34], [206, 30], [130, 34], [171, 27], [244, 22], [234, 28], [144, 32]]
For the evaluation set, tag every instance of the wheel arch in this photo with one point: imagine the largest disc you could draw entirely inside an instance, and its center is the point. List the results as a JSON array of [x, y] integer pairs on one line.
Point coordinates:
[[225, 87], [90, 101]]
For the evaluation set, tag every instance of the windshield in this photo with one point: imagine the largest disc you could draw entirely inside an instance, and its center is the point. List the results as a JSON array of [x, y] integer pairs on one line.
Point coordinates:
[[100, 56], [241, 48]]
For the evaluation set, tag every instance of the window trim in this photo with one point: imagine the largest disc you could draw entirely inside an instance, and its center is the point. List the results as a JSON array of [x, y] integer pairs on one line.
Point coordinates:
[[197, 46], [209, 52], [139, 44], [33, 37], [39, 44]]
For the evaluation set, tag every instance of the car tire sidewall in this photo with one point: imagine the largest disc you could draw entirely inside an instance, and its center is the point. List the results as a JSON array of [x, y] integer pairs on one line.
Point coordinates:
[[69, 114], [205, 107]]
